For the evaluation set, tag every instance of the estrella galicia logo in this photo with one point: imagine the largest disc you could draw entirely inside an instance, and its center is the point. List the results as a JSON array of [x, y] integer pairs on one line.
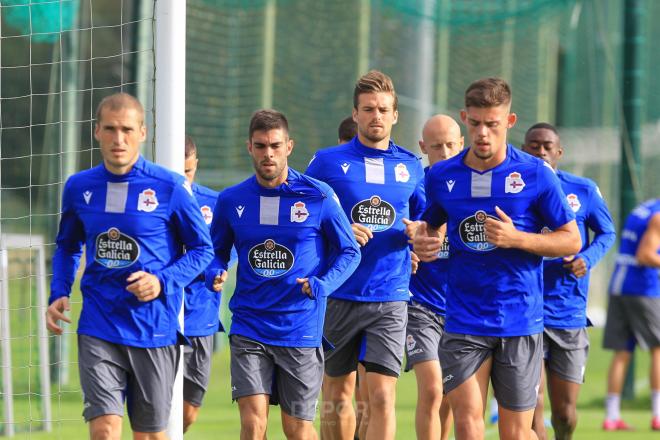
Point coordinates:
[[374, 213], [115, 250], [443, 253], [473, 232], [269, 259]]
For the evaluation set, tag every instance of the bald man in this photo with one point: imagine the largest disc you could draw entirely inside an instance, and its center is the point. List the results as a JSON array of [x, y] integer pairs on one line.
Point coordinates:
[[441, 139]]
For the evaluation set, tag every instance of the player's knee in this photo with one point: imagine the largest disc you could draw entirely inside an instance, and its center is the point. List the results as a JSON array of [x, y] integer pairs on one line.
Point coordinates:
[[381, 399], [469, 426], [253, 425], [297, 430], [105, 428], [565, 417], [431, 396]]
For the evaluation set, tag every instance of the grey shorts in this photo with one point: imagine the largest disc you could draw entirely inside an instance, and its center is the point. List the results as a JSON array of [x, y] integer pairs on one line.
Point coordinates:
[[565, 352], [632, 320], [197, 368], [423, 333], [110, 372], [381, 326], [516, 371], [291, 376]]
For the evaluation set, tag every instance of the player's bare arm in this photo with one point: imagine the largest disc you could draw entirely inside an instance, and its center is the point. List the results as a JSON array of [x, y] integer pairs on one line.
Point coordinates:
[[143, 285], [55, 313], [565, 240], [647, 252], [428, 242]]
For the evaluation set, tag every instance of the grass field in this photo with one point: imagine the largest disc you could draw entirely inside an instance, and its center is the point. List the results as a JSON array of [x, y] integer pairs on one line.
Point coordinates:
[[219, 416]]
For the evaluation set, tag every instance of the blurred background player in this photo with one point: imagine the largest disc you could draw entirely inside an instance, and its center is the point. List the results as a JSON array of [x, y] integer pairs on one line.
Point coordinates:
[[134, 218], [565, 288], [633, 312], [201, 308], [347, 130], [379, 184], [494, 199], [441, 139], [295, 246]]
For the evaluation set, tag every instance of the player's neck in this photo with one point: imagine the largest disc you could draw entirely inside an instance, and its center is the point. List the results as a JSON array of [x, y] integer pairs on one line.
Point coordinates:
[[382, 144], [120, 170], [273, 183], [483, 164]]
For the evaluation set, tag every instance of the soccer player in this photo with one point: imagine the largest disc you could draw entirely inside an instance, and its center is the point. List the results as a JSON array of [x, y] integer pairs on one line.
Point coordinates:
[[134, 218], [201, 309], [379, 184], [441, 139], [633, 313], [294, 247], [347, 130], [495, 200], [565, 288]]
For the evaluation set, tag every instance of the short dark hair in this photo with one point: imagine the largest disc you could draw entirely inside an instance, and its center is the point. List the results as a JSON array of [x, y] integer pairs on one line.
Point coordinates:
[[268, 119], [488, 92], [544, 126], [191, 148], [119, 101], [347, 129], [374, 81]]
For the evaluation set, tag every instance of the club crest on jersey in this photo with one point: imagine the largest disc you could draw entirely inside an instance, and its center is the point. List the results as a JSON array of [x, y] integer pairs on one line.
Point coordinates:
[[374, 213], [115, 250], [207, 213], [147, 200], [401, 173], [514, 183], [269, 259], [473, 232], [573, 202], [299, 213]]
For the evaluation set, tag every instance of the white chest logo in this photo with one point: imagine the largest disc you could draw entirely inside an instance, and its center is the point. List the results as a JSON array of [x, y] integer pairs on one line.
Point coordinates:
[[147, 201], [573, 202], [401, 173], [345, 166], [87, 195], [450, 184], [207, 213], [514, 183], [239, 210], [299, 213]]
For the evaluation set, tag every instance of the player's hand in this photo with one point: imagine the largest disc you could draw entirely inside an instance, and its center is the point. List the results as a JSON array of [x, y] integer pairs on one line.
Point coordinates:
[[55, 313], [411, 227], [414, 261], [577, 266], [501, 233], [362, 233], [426, 246], [306, 289], [219, 281], [144, 285]]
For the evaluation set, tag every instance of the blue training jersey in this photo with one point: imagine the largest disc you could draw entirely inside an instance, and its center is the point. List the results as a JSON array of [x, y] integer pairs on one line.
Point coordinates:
[[377, 188], [296, 230], [201, 305], [565, 295], [493, 291], [629, 277], [139, 221], [429, 285]]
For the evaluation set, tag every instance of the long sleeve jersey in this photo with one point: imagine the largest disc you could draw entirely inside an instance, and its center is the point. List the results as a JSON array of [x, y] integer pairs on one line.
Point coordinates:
[[630, 277], [565, 295], [493, 291], [377, 189], [296, 230], [139, 221]]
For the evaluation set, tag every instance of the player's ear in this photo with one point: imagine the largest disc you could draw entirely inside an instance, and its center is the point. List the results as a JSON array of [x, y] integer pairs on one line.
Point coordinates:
[[422, 147], [248, 144], [463, 115], [511, 120], [143, 133], [396, 117], [97, 129], [354, 114], [289, 146], [461, 142]]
